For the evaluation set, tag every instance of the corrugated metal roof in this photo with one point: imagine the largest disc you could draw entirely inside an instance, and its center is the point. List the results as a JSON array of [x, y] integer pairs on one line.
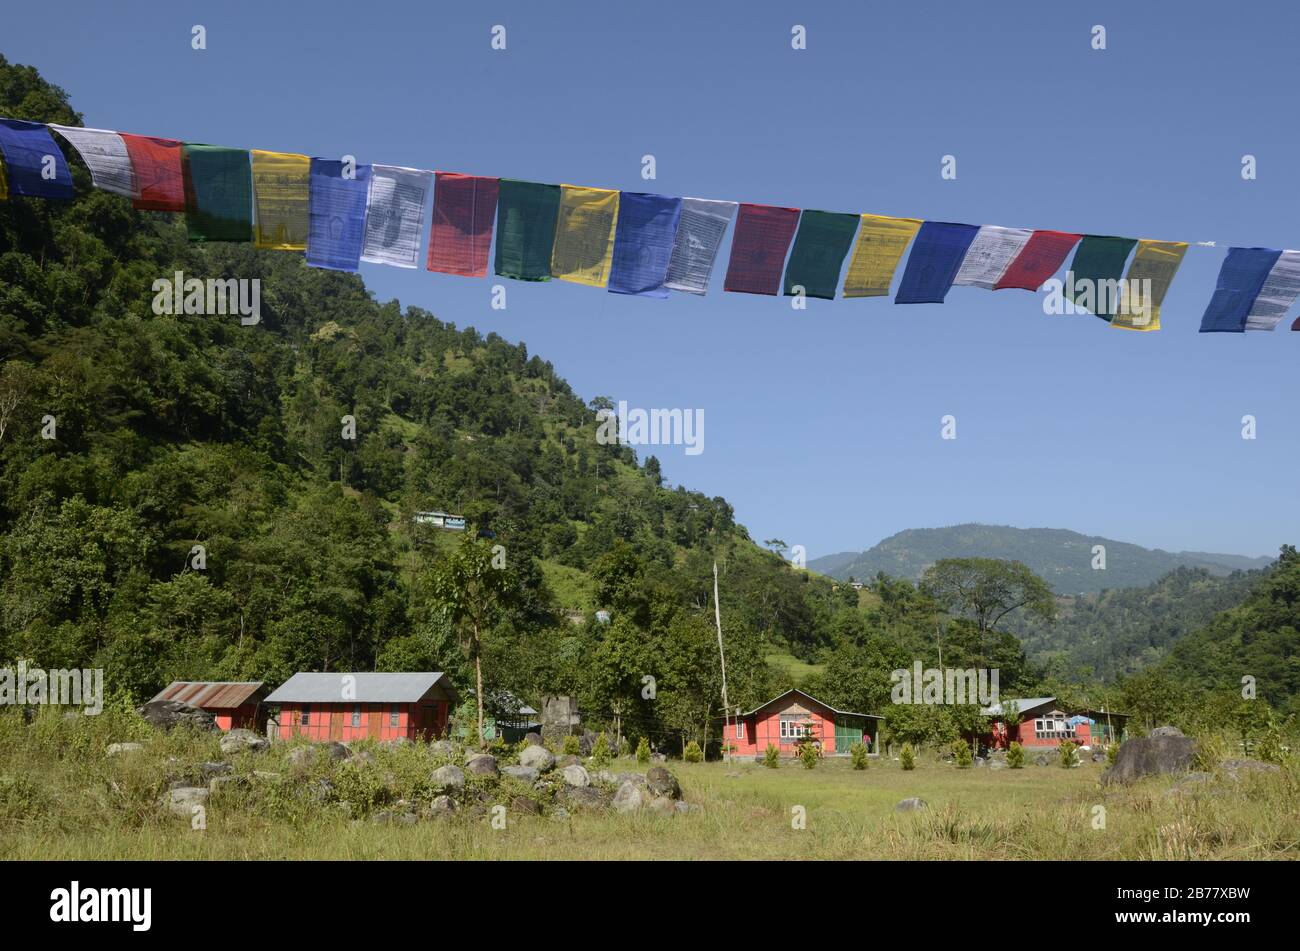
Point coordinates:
[[1022, 706], [820, 703], [304, 687], [212, 694]]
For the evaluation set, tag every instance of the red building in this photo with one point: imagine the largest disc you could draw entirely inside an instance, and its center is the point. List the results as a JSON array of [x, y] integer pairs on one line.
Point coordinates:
[[795, 716], [236, 705], [353, 706], [1043, 723]]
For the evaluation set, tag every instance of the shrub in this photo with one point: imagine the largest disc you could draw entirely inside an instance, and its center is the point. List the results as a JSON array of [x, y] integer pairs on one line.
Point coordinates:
[[858, 755], [600, 756], [1112, 753], [1269, 748], [1068, 754], [907, 757], [809, 754], [693, 753], [1015, 756], [643, 751], [961, 755], [771, 756], [571, 747]]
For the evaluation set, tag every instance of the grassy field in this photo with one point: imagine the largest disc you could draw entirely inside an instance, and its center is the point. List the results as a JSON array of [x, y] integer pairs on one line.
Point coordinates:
[[60, 797], [792, 666]]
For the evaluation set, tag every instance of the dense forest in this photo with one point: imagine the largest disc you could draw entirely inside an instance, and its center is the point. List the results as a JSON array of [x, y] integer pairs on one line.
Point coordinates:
[[180, 498]]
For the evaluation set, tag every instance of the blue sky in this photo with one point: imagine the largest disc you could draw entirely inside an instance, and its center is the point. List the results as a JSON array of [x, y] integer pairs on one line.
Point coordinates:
[[822, 426]]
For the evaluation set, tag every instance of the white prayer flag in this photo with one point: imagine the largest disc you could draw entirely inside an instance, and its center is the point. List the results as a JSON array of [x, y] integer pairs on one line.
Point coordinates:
[[699, 236], [1279, 292], [106, 156], [990, 254], [395, 215]]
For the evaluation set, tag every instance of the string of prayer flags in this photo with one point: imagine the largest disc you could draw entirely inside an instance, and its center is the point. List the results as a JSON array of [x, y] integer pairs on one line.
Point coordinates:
[[460, 236], [159, 172], [1279, 292], [395, 215], [989, 256], [820, 247], [1042, 257], [526, 217], [281, 195], [881, 243], [700, 230], [34, 164], [105, 154], [1149, 275], [337, 214], [643, 243], [1092, 283], [937, 254], [584, 235], [218, 193], [763, 235], [1241, 278]]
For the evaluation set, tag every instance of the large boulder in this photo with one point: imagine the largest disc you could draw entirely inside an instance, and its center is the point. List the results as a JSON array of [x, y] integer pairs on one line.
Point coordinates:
[[589, 798], [448, 779], [911, 804], [167, 714], [537, 757], [1166, 731], [1155, 755], [442, 748], [576, 776], [662, 783], [441, 807], [628, 798], [1233, 768], [482, 764], [525, 806], [533, 739], [182, 800], [525, 774], [662, 806], [243, 741], [305, 756]]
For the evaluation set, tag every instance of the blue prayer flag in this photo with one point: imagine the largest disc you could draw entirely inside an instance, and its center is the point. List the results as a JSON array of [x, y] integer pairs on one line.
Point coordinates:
[[33, 161], [937, 253], [643, 243], [1241, 278], [336, 214]]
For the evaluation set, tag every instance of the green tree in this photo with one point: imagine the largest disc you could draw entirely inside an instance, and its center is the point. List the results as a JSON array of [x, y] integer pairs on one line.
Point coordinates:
[[987, 590]]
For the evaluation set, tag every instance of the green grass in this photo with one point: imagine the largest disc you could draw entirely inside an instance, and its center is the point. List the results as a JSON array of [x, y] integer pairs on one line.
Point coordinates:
[[797, 670], [572, 587], [61, 797]]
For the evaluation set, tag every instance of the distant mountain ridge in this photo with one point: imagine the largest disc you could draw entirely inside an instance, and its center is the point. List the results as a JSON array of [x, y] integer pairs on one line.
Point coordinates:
[[1060, 557]]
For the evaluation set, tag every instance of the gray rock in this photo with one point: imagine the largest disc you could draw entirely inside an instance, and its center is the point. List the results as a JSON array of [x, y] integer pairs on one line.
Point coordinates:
[[181, 801], [442, 807], [525, 774], [660, 782], [538, 758], [243, 741], [117, 749], [482, 764], [628, 798], [210, 769], [168, 714], [1042, 760], [662, 806], [1233, 768], [525, 806], [568, 759], [681, 807], [559, 813], [637, 779], [1166, 731], [394, 818], [911, 804], [223, 785], [442, 748], [587, 798], [576, 776], [267, 777], [658, 757], [1154, 755], [448, 778], [1099, 757], [533, 739], [997, 764]]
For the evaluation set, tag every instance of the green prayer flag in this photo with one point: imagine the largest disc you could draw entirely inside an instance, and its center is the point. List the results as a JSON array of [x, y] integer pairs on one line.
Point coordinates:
[[1096, 272], [526, 216], [819, 250], [218, 193]]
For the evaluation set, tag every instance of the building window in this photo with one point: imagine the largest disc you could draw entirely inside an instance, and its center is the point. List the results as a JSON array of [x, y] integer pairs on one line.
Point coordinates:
[[740, 729], [395, 717], [304, 716], [356, 716]]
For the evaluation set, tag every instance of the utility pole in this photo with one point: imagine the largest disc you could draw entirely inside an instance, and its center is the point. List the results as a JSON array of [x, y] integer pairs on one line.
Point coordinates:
[[722, 657]]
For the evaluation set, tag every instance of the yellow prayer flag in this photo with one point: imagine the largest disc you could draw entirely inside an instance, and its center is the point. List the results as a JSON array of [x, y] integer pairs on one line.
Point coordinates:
[[881, 243], [1148, 279], [584, 235], [280, 190]]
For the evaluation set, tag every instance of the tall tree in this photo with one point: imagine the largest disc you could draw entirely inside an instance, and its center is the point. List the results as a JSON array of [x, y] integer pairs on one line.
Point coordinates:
[[987, 590]]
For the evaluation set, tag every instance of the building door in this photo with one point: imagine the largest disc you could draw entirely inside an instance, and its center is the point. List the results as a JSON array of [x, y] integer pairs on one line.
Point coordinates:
[[847, 732], [336, 724], [376, 724]]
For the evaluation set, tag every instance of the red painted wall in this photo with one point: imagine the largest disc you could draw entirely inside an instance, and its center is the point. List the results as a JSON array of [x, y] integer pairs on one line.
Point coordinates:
[[245, 717], [334, 721]]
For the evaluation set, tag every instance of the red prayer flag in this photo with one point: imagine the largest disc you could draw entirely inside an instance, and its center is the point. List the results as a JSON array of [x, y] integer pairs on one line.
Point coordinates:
[[1038, 260], [762, 238], [158, 171], [464, 207]]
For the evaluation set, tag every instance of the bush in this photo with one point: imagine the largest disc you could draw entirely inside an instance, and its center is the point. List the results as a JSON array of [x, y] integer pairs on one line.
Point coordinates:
[[1068, 753], [961, 755], [858, 755], [571, 747], [771, 756], [809, 754], [1015, 756], [600, 755], [643, 751], [693, 753], [1112, 753], [1270, 748], [907, 757]]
